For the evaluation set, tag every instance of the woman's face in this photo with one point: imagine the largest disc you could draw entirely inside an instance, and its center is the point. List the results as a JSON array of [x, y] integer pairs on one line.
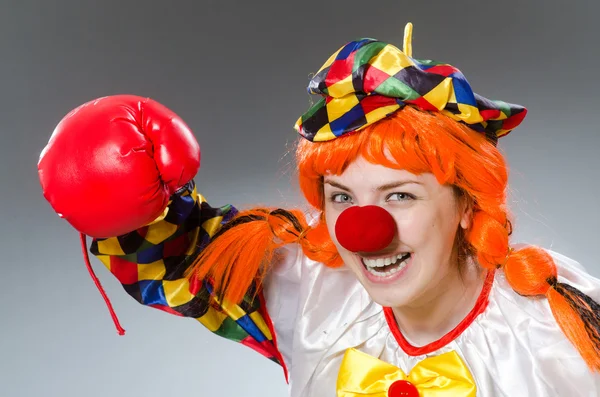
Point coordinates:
[[427, 217]]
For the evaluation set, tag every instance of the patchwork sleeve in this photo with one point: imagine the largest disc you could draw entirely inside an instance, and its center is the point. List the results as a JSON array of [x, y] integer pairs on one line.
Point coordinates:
[[151, 263]]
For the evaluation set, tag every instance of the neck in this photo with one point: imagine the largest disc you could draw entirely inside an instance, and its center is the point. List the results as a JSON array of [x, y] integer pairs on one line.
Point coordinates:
[[447, 303]]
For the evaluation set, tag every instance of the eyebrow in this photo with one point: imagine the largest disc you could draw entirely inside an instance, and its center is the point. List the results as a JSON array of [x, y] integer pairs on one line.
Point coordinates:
[[381, 188]]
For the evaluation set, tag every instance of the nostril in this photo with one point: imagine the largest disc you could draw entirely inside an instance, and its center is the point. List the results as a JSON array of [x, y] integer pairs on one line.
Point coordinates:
[[365, 229]]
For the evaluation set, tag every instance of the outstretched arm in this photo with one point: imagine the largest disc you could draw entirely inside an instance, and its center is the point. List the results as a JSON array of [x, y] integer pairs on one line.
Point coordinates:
[[151, 263], [120, 170]]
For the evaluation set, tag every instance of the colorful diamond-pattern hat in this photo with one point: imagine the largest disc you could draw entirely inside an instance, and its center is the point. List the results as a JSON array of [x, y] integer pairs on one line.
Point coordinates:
[[366, 80]]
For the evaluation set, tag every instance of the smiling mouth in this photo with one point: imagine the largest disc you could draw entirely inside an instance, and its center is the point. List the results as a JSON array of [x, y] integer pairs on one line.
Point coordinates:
[[383, 267]]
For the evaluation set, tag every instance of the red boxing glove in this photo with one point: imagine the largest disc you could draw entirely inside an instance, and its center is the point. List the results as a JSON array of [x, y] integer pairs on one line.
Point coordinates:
[[111, 164]]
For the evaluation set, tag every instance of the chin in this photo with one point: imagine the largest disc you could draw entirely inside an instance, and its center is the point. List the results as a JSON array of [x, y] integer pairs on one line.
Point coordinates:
[[387, 299], [390, 295]]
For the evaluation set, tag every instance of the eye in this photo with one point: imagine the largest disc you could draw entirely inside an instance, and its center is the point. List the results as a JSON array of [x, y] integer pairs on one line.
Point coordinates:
[[400, 197], [341, 198]]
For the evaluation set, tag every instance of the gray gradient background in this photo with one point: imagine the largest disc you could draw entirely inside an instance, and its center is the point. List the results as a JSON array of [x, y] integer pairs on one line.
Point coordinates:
[[237, 72]]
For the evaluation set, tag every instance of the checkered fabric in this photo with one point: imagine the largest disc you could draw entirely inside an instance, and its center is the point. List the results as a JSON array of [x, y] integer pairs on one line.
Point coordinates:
[[150, 264], [366, 80]]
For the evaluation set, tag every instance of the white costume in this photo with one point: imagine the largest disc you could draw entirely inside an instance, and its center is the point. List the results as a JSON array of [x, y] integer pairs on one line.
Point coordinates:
[[513, 347]]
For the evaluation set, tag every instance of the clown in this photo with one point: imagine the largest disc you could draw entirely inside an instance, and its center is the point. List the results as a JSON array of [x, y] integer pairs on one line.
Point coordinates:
[[403, 282]]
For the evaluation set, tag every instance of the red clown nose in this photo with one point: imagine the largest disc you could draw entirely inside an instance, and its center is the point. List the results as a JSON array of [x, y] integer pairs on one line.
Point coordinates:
[[365, 229]]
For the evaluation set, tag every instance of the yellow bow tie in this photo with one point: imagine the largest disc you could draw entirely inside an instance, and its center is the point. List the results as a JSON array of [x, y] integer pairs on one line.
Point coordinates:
[[440, 376]]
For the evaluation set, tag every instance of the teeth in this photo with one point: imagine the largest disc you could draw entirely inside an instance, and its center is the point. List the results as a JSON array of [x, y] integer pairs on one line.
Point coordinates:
[[371, 264], [384, 274], [381, 262]]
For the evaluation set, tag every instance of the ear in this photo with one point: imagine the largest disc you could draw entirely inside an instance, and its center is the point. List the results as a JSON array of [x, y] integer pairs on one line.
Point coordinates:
[[466, 212]]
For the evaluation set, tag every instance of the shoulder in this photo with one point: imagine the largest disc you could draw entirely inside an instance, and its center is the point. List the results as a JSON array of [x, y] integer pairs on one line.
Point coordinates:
[[530, 338], [537, 308]]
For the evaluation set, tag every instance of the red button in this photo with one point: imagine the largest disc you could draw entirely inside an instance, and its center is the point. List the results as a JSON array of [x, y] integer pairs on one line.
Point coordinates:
[[402, 388]]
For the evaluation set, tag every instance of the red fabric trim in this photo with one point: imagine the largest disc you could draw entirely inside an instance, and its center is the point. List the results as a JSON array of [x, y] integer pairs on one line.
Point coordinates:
[[480, 306], [264, 348], [167, 309], [264, 312]]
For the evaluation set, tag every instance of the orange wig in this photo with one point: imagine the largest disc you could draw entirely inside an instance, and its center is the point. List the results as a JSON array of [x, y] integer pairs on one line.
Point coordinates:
[[419, 142]]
